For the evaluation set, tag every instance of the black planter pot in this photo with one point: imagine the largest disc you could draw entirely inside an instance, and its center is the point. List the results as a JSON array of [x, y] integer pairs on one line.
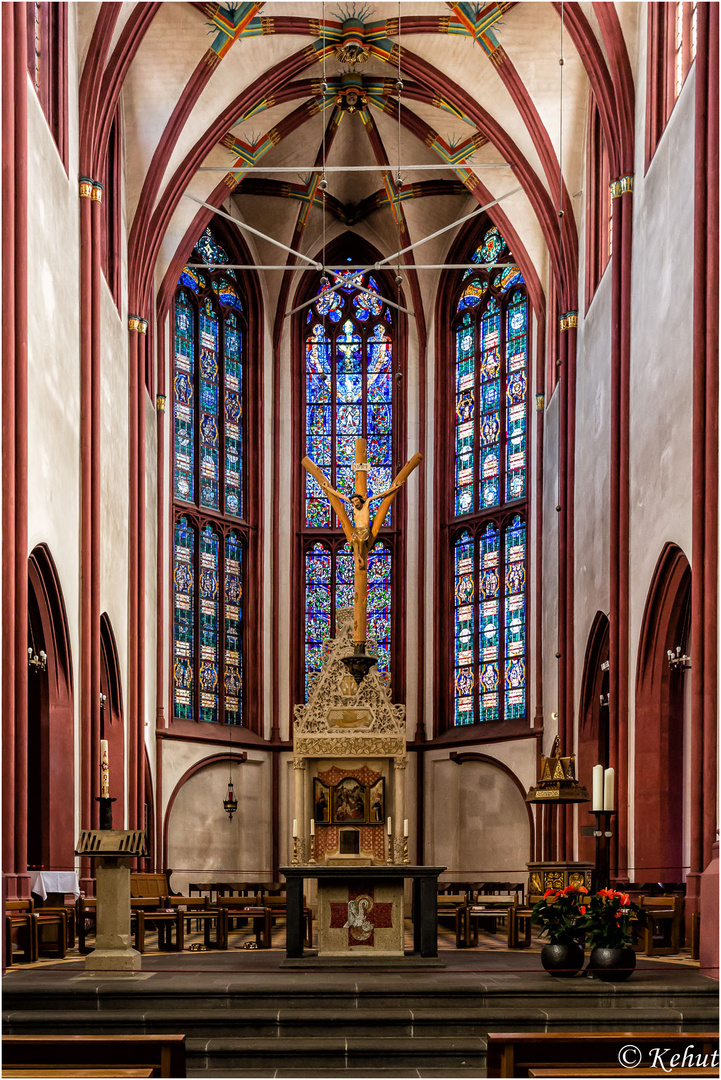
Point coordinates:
[[562, 961], [612, 965]]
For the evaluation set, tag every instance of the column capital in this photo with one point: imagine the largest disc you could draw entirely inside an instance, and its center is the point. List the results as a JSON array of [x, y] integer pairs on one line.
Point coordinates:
[[134, 323], [622, 186], [97, 192], [85, 187]]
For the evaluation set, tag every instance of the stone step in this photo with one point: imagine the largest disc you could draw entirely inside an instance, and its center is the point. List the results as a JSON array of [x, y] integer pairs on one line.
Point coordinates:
[[336, 1052], [398, 1022]]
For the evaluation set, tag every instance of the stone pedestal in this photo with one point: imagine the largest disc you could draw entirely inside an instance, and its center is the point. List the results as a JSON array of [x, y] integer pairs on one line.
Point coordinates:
[[113, 951]]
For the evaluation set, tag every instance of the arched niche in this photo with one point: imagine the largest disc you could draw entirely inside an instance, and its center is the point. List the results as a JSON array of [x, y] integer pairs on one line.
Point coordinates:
[[111, 714], [659, 722], [51, 770], [482, 827], [593, 745]]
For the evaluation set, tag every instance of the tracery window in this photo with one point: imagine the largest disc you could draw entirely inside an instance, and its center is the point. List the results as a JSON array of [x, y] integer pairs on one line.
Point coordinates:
[[671, 51], [347, 393], [487, 530], [210, 533], [47, 38]]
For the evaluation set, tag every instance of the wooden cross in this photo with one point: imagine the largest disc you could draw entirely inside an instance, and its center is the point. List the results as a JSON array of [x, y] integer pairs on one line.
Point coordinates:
[[362, 534]]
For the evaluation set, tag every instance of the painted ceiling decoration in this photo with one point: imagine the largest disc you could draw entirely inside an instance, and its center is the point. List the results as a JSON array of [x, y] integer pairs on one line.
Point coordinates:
[[354, 84]]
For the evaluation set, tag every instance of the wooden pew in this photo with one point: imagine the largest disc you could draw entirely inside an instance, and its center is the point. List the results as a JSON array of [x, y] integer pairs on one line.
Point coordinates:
[[26, 925], [164, 1055], [516, 1053]]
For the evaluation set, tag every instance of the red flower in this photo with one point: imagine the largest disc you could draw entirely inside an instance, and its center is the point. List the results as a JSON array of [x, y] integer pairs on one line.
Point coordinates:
[[582, 909], [625, 900], [549, 892], [582, 889]]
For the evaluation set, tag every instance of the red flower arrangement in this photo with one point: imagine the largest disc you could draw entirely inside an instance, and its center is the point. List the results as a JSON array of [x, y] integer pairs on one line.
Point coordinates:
[[611, 919], [560, 913]]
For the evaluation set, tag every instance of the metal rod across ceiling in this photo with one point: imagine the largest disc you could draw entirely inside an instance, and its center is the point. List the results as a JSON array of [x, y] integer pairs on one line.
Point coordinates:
[[241, 165]]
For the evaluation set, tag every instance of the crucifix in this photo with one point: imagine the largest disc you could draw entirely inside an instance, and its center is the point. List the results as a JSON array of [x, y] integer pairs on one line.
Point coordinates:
[[361, 536]]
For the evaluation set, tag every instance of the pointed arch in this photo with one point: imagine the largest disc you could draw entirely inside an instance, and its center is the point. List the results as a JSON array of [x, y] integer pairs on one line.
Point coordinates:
[[592, 747], [111, 711], [659, 725], [51, 744]]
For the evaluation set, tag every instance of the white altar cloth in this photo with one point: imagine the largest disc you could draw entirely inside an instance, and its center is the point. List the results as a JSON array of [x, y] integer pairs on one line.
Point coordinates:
[[54, 881]]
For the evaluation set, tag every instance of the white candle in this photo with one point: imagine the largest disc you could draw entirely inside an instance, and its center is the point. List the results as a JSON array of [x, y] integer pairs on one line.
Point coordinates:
[[598, 787], [405, 826], [312, 827], [609, 784], [295, 827], [104, 770], [389, 828]]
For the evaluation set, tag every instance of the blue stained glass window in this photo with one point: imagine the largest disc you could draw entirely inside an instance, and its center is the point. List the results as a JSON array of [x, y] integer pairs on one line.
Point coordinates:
[[208, 430], [490, 412], [233, 629], [209, 435], [515, 619], [348, 394], [183, 395], [183, 620], [491, 415], [209, 624], [318, 578], [516, 394], [233, 417]]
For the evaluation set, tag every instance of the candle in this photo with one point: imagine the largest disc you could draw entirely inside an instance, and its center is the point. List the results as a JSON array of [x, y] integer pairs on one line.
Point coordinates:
[[104, 770], [598, 787], [389, 829], [609, 783], [405, 826], [295, 827], [312, 827]]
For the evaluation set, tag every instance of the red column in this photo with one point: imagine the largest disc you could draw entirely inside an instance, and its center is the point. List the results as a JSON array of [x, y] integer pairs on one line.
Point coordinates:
[[622, 222], [8, 442], [96, 225], [568, 645], [86, 622], [20, 624], [712, 436], [141, 398], [559, 820], [133, 327]]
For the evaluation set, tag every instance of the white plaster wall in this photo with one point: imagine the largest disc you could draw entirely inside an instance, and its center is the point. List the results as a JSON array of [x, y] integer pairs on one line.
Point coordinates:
[[202, 840], [476, 822], [53, 357]]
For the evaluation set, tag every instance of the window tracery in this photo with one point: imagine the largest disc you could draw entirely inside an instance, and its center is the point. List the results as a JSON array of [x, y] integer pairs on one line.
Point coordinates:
[[488, 531], [348, 393], [210, 534]]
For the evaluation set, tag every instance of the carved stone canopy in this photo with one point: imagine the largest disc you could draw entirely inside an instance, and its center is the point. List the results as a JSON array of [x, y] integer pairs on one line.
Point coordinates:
[[344, 719]]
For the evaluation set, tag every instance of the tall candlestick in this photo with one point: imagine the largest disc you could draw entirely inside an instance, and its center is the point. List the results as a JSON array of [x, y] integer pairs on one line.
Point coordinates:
[[104, 770], [609, 785], [389, 828], [598, 787]]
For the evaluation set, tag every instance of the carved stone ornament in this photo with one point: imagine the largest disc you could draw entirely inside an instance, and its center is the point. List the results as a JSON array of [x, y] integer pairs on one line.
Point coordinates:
[[371, 724]]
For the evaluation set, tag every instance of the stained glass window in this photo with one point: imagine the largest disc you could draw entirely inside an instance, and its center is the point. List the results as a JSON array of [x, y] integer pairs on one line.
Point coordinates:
[[490, 334], [348, 393], [208, 429]]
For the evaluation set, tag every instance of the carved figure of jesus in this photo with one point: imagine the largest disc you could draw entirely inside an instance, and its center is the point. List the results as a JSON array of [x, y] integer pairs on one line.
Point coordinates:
[[362, 533]]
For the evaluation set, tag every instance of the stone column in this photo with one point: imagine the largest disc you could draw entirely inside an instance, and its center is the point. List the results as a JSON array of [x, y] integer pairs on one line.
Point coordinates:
[[399, 807], [299, 773], [113, 951]]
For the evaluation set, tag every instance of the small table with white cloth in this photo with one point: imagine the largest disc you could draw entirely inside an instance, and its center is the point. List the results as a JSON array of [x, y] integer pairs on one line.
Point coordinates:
[[52, 886]]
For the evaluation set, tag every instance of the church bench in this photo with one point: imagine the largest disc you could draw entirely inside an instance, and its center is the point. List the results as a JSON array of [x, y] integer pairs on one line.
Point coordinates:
[[277, 905], [516, 1053], [489, 910], [163, 1055], [233, 908], [27, 926], [75, 1073], [608, 1070], [662, 935]]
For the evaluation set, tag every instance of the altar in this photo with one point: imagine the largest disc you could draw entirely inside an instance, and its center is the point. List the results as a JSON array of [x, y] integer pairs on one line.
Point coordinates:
[[361, 910]]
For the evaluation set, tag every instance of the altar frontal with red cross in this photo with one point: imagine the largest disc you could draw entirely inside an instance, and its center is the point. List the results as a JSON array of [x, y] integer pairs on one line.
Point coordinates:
[[362, 915]]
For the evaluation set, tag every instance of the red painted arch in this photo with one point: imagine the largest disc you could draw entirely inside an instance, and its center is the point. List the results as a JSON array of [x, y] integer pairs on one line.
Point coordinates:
[[659, 726]]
